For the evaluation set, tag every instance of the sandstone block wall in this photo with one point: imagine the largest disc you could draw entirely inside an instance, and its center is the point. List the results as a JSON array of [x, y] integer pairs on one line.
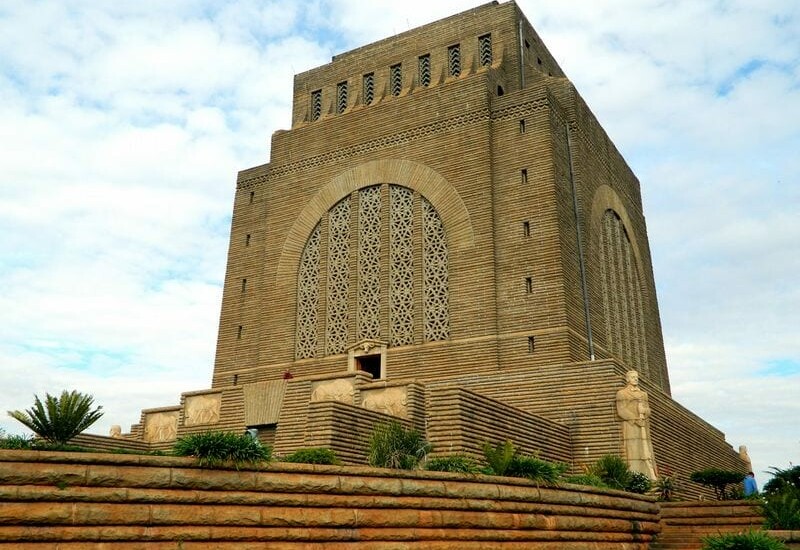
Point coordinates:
[[92, 501], [581, 396], [684, 524], [345, 429], [461, 421]]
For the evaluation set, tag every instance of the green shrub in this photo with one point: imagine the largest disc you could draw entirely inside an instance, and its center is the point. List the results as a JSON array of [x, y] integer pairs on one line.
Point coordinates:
[[638, 483], [613, 471], [312, 455], [782, 509], [59, 419], [215, 448], [752, 540], [783, 478], [534, 468], [665, 486], [499, 456], [586, 479], [453, 463], [16, 442], [717, 479], [393, 446]]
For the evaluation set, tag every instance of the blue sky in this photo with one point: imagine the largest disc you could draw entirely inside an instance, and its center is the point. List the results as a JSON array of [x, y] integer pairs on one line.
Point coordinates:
[[122, 127]]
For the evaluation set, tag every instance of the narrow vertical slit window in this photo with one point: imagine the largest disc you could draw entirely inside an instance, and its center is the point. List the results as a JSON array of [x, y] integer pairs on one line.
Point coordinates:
[[316, 105], [396, 78], [529, 285], [235, 379], [425, 70], [244, 285], [252, 196], [522, 126], [247, 240], [523, 175], [369, 88], [485, 47], [531, 344], [239, 332], [526, 229], [454, 60], [341, 97]]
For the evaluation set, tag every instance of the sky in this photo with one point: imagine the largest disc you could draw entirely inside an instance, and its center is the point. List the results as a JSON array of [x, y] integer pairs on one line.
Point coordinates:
[[123, 125]]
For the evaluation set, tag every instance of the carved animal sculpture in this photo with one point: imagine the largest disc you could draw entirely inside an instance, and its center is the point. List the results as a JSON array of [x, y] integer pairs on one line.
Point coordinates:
[[161, 427], [390, 401], [202, 409], [335, 390]]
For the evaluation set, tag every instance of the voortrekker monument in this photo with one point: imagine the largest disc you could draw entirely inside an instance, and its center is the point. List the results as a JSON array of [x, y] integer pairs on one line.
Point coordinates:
[[446, 236]]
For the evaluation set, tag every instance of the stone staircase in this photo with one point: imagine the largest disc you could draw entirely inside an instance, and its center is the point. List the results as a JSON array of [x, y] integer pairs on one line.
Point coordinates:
[[684, 524]]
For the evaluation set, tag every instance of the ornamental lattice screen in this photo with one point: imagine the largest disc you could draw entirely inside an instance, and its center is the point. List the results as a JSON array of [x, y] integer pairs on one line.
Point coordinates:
[[383, 248]]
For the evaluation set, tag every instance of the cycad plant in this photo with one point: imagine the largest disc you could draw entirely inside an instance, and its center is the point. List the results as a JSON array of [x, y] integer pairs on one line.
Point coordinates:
[[59, 419], [499, 456]]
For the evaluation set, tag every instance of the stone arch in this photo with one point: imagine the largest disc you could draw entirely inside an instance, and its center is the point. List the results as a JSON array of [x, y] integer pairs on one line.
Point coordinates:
[[622, 280], [429, 183], [605, 198]]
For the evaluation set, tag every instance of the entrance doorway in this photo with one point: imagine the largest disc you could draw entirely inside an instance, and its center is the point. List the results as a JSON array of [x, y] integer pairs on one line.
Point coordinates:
[[370, 364]]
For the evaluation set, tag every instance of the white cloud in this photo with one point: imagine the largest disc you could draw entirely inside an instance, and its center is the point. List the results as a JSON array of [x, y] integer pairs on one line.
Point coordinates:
[[122, 127]]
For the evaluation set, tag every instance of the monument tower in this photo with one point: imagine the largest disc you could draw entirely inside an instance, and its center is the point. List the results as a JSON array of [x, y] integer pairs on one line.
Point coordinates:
[[445, 236]]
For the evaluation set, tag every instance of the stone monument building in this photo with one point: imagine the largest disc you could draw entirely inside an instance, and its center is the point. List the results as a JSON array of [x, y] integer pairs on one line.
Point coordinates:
[[445, 236]]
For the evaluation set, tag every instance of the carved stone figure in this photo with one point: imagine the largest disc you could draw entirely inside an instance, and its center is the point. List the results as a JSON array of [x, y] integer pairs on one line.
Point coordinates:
[[389, 401], [634, 410], [202, 409], [745, 457], [334, 390], [160, 427], [115, 431]]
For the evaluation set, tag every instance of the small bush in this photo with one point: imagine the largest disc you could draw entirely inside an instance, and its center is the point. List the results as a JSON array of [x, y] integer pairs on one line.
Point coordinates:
[[752, 540], [665, 487], [536, 469], [782, 510], [638, 483], [215, 448], [312, 455], [613, 471], [453, 463], [16, 442], [782, 478], [499, 456], [717, 479], [393, 446], [586, 479]]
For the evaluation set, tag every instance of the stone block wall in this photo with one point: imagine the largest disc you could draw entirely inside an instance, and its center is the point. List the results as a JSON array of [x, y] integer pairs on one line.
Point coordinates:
[[345, 429], [90, 501], [461, 421], [684, 524]]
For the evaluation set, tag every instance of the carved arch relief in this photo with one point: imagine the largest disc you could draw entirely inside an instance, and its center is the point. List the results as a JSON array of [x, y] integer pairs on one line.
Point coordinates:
[[621, 275], [605, 198]]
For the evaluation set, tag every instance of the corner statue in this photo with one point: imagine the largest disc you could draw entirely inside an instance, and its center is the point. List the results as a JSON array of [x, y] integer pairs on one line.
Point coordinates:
[[634, 410]]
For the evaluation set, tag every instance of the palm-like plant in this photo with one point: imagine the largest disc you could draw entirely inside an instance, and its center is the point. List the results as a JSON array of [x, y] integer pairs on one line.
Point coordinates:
[[59, 419]]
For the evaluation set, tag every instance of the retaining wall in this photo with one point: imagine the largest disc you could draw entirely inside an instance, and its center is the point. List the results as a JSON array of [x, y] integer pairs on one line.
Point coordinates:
[[684, 524], [81, 501]]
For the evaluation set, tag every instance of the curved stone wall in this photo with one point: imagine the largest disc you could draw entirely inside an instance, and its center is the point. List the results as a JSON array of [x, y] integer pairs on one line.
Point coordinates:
[[81, 501]]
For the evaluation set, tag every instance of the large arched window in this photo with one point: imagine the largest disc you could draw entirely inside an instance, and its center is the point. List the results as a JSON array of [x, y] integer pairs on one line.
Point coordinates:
[[374, 267], [622, 294]]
